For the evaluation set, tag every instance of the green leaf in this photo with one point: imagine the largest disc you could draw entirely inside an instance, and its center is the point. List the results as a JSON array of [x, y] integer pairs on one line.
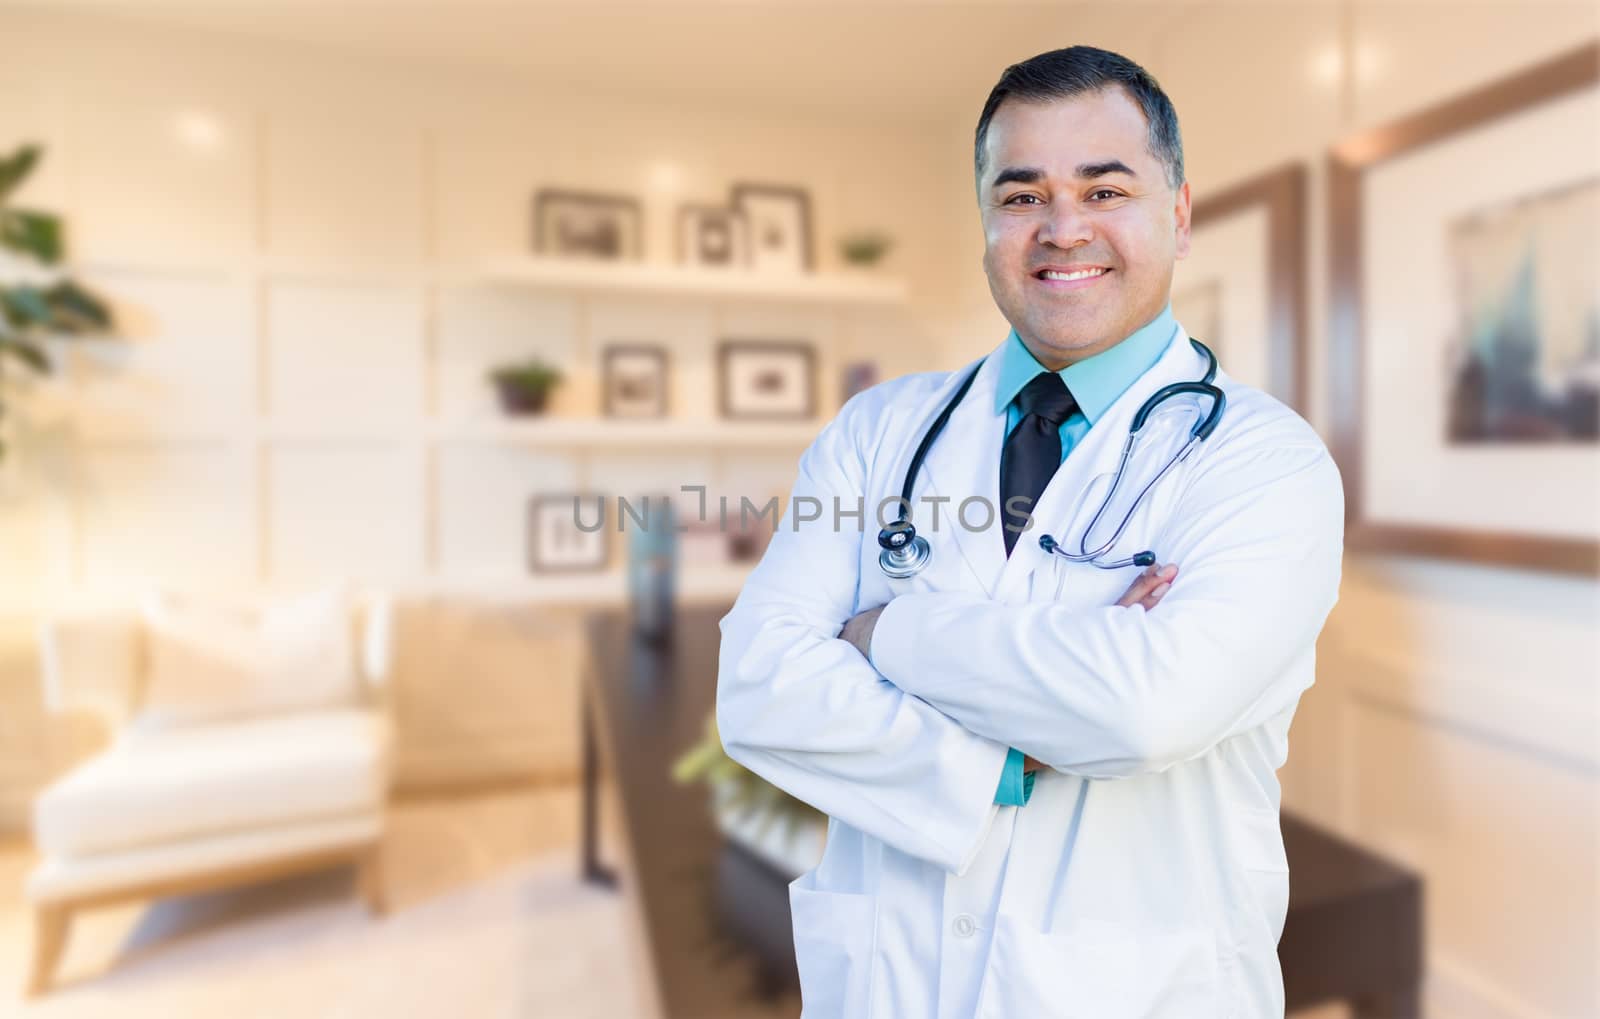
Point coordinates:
[[27, 305], [71, 302], [34, 233], [27, 353], [16, 167]]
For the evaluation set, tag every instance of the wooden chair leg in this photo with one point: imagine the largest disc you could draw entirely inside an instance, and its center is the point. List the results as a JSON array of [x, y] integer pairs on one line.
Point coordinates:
[[369, 879], [51, 924]]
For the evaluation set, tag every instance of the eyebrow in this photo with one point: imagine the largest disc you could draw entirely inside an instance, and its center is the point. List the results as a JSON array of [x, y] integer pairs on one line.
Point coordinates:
[[1033, 175]]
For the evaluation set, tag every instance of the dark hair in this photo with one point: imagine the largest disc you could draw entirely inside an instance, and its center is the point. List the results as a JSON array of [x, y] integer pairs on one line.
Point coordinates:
[[1062, 74]]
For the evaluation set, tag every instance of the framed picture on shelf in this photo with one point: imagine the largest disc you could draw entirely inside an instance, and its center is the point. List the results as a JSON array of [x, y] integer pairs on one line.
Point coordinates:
[[1242, 289], [559, 538], [713, 236], [780, 226], [634, 381], [586, 224], [774, 381], [1465, 339], [856, 377]]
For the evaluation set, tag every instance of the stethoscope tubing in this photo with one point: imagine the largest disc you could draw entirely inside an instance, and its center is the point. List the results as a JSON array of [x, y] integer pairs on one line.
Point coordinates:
[[905, 553]]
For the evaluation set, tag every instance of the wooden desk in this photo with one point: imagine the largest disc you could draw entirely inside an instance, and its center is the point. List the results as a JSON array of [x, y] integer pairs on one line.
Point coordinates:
[[717, 920]]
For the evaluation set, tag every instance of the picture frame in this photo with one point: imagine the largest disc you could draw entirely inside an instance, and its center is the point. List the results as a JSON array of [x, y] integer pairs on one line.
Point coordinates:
[[1242, 290], [1396, 309], [634, 381], [555, 542], [588, 225], [761, 380], [856, 377], [779, 218], [713, 237]]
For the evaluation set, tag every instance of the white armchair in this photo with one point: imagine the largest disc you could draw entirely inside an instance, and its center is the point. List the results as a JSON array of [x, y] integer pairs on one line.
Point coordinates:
[[212, 800]]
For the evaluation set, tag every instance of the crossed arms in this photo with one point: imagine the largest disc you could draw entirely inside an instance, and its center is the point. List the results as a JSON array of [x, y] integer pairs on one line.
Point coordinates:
[[907, 745]]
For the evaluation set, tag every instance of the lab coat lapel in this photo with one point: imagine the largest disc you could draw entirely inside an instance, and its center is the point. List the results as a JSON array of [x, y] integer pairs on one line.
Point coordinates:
[[964, 462], [1095, 455]]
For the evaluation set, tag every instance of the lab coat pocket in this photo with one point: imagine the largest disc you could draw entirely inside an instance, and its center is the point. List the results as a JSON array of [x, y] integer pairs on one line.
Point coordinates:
[[1266, 871], [1103, 972], [833, 940]]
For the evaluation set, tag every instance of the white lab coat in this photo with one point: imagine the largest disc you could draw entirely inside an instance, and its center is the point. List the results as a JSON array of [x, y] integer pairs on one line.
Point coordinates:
[[1146, 876]]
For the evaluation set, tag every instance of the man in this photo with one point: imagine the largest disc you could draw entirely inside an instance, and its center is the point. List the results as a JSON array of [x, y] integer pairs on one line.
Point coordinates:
[[1046, 799]]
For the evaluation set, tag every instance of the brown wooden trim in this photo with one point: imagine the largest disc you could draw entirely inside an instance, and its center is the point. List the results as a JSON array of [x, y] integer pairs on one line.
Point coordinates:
[[1567, 73], [1347, 163], [1283, 193]]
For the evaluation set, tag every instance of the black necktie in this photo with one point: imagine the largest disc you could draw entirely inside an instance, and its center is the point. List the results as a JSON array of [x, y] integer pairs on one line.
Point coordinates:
[[1032, 451]]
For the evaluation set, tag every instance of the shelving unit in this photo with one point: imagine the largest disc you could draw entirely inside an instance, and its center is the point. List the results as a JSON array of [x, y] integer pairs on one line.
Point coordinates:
[[615, 434], [840, 288]]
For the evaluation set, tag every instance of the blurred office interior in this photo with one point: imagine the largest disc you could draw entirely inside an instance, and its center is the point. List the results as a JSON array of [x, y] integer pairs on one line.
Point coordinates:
[[388, 285]]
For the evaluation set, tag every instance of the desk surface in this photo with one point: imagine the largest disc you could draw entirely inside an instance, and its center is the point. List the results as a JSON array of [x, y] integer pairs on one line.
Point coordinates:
[[1354, 919], [651, 705]]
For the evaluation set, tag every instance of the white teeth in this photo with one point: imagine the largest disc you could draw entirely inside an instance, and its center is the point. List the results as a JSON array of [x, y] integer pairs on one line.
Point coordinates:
[[1082, 274]]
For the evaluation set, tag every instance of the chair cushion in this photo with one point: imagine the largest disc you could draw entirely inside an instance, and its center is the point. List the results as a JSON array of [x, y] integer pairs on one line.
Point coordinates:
[[164, 784], [211, 660]]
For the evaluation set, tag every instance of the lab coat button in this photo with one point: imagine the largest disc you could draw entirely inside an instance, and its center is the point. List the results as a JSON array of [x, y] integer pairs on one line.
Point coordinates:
[[965, 926]]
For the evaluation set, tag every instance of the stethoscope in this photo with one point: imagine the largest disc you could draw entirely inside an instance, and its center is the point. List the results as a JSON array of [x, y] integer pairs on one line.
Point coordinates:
[[905, 553]]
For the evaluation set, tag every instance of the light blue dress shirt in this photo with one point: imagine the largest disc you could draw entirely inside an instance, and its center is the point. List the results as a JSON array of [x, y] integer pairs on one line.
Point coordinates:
[[1096, 383]]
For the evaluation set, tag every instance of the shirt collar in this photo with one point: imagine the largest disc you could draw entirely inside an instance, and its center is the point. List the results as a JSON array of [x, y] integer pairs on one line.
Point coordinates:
[[1095, 382]]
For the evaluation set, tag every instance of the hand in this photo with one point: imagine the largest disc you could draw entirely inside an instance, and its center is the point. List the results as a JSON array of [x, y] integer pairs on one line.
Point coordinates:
[[1150, 586], [858, 630], [1147, 589]]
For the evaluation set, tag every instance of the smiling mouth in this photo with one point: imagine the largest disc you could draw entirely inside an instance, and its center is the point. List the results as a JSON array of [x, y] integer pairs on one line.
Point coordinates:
[[1070, 277]]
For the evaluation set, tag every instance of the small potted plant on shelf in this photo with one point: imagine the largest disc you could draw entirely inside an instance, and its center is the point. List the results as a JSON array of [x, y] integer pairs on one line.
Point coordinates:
[[525, 386], [864, 250], [785, 832]]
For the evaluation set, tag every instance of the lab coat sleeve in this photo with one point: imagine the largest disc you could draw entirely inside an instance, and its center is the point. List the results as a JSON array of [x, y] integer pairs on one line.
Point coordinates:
[[806, 711], [1108, 692]]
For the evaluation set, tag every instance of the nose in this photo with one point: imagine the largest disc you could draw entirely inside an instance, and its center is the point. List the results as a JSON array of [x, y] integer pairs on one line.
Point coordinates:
[[1066, 226]]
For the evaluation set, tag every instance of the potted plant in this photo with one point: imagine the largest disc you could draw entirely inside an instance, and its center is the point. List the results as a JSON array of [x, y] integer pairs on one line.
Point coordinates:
[[785, 832], [37, 300], [865, 249], [525, 386]]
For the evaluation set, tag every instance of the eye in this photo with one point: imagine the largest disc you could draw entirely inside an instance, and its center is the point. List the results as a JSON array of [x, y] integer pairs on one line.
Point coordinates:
[[1105, 191], [1015, 198]]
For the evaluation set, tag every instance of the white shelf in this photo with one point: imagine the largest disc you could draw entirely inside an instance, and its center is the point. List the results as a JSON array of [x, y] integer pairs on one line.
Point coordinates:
[[646, 278], [609, 433]]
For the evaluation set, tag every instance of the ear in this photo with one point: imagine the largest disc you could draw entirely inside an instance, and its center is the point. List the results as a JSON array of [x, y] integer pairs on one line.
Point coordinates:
[[1181, 213]]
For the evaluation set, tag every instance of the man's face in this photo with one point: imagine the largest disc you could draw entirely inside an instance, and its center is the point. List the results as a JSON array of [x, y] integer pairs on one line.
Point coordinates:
[[1070, 185]]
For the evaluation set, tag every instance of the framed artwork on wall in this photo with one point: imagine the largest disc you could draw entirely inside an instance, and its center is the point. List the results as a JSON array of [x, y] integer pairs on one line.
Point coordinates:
[[587, 224], [1242, 289], [713, 236], [556, 542], [1465, 333], [634, 380], [780, 226], [772, 381]]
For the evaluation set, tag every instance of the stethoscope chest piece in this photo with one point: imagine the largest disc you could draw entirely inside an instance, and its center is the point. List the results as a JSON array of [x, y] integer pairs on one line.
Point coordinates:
[[902, 551]]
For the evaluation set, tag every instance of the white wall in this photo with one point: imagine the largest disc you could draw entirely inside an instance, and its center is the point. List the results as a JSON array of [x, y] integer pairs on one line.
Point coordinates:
[[1454, 721], [295, 241]]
